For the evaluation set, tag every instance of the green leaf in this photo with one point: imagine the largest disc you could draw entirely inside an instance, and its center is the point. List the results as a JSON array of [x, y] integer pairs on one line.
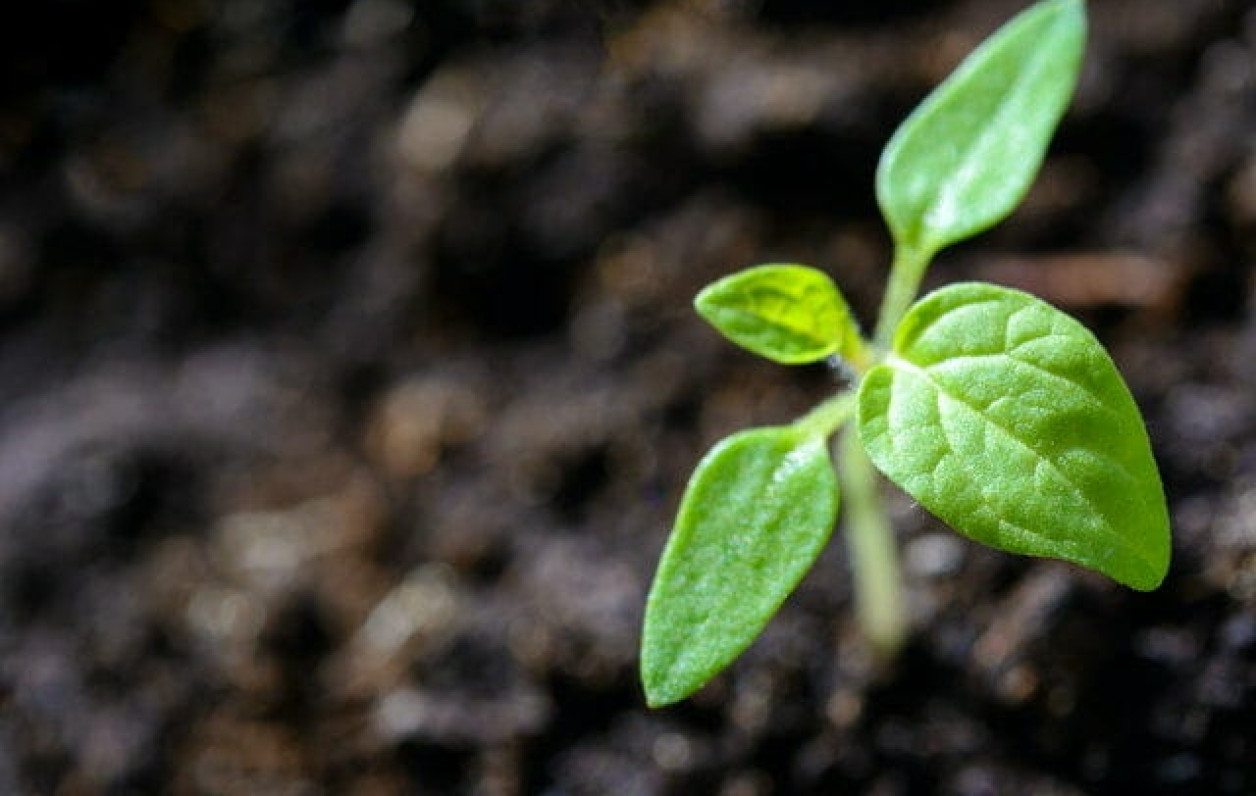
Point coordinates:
[[966, 156], [1007, 419], [757, 512], [790, 314]]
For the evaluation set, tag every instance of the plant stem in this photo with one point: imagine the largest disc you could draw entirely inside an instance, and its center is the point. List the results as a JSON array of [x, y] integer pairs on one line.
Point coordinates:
[[873, 551], [828, 416], [879, 602], [905, 275]]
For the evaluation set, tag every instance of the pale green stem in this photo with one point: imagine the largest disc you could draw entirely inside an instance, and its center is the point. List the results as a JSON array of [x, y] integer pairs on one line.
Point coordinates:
[[827, 417], [905, 275], [873, 551], [879, 602]]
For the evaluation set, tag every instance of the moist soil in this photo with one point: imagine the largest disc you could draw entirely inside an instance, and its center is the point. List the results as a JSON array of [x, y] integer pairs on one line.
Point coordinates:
[[349, 381]]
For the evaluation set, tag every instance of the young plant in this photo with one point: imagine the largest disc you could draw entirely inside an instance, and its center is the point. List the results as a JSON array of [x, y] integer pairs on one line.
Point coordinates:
[[997, 412]]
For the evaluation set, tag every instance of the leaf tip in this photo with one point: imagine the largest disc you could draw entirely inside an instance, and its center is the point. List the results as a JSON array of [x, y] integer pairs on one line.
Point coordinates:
[[706, 304], [661, 689], [702, 301], [654, 697], [1149, 577], [655, 700], [1147, 565]]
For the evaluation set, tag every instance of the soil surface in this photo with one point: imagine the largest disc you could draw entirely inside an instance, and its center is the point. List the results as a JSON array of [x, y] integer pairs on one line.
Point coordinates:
[[349, 381]]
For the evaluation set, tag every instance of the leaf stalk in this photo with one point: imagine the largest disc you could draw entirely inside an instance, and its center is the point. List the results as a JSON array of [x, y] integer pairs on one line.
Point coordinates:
[[905, 275]]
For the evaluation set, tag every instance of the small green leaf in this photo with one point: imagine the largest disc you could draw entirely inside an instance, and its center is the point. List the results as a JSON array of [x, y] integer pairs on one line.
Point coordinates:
[[757, 512], [966, 157], [790, 314], [1007, 419]]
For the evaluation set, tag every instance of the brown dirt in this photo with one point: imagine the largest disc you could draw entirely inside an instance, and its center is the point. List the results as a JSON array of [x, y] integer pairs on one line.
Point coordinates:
[[348, 383]]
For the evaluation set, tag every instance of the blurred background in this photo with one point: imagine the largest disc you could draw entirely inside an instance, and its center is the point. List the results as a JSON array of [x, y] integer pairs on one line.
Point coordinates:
[[349, 381]]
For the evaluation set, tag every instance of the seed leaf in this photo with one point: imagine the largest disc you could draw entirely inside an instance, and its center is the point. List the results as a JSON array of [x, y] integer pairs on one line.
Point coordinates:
[[965, 158], [1007, 419], [790, 314], [757, 512]]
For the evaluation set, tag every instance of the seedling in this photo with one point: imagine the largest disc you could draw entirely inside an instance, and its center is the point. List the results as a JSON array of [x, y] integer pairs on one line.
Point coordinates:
[[997, 412]]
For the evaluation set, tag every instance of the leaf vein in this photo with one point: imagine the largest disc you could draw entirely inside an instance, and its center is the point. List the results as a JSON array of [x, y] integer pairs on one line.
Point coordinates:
[[1107, 531]]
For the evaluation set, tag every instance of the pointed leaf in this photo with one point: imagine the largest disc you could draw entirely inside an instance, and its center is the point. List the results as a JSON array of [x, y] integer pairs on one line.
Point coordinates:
[[757, 512], [1007, 419], [966, 157], [790, 314]]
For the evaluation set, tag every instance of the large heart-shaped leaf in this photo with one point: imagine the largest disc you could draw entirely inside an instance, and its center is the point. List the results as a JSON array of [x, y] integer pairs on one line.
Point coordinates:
[[757, 512], [966, 156], [1007, 419], [790, 314]]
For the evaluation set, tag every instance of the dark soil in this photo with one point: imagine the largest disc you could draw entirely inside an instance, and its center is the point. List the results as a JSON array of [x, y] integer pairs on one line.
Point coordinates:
[[348, 383]]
